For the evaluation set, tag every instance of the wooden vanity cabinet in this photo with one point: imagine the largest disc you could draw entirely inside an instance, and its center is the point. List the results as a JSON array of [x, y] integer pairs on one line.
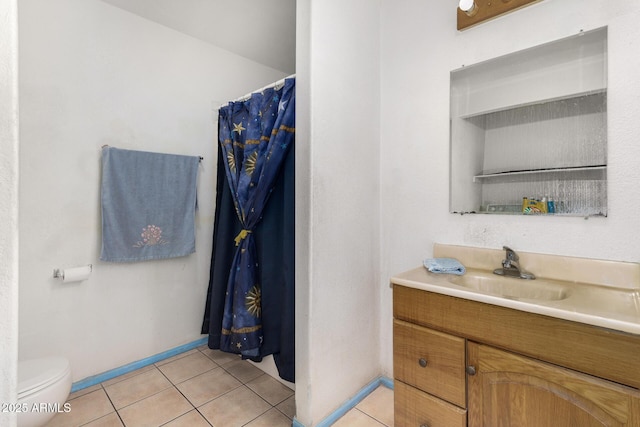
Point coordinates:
[[459, 362]]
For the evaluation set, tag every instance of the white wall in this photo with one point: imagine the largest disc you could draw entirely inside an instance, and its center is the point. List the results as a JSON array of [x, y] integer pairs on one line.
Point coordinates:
[[420, 46], [303, 212], [337, 234], [8, 207], [92, 74]]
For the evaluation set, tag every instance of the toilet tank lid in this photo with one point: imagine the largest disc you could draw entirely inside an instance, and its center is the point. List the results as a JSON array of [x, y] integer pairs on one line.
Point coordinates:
[[35, 373]]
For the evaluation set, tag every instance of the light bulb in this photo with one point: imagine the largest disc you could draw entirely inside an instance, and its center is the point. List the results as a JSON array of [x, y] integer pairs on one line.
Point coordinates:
[[468, 6]]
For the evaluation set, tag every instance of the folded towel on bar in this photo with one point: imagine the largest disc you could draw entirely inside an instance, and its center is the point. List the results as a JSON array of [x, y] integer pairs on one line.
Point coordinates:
[[444, 265], [148, 205]]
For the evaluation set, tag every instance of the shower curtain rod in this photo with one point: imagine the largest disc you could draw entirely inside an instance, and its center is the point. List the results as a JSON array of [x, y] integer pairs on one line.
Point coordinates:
[[276, 85]]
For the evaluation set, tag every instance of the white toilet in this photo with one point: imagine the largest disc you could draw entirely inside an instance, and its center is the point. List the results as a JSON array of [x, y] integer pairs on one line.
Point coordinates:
[[43, 388]]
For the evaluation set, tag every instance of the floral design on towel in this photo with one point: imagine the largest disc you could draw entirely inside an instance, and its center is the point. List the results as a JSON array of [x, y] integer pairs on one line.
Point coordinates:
[[151, 235]]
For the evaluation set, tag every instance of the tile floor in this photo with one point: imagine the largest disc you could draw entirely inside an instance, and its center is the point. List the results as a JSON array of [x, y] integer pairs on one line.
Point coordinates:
[[203, 387], [375, 410]]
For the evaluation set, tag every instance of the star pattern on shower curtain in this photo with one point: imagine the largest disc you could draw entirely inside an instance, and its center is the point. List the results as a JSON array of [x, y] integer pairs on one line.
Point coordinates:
[[254, 137]]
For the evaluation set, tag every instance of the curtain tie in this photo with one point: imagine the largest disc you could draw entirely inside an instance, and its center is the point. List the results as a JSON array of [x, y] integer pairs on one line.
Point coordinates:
[[242, 235]]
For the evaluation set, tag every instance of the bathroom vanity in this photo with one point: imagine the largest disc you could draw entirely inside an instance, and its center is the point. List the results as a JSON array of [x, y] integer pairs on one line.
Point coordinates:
[[490, 356]]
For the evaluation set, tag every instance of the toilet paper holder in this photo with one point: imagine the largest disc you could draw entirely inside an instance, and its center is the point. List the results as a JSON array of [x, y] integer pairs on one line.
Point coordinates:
[[58, 273]]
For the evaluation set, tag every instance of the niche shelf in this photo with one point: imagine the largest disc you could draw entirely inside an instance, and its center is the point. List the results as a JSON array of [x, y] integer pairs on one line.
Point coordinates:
[[532, 124], [513, 175]]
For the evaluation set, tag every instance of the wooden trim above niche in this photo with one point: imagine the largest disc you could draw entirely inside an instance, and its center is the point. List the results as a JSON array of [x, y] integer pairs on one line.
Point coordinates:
[[489, 9]]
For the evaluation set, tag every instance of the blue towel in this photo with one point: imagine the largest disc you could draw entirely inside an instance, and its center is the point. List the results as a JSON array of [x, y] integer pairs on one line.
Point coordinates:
[[148, 205], [444, 265]]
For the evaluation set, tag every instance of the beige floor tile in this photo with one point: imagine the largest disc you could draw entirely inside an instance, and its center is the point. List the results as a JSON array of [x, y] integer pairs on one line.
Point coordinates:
[[84, 391], [190, 419], [156, 410], [271, 418], [127, 375], [208, 386], [131, 390], [84, 409], [270, 389], [187, 367], [176, 357], [379, 405], [243, 370], [288, 407], [235, 408], [220, 357], [111, 420], [355, 418]]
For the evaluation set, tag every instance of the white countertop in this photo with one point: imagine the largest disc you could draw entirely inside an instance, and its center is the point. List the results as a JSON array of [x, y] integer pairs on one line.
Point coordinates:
[[603, 306]]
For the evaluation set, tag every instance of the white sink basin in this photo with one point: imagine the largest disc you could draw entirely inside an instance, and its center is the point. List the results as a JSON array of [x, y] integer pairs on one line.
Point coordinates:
[[511, 287], [596, 292]]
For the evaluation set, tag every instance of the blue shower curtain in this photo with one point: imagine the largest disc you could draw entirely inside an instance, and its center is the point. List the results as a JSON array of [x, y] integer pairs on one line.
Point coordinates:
[[255, 144]]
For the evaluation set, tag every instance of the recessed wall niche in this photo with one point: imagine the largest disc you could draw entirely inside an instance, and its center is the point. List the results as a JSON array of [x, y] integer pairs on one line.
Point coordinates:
[[533, 125]]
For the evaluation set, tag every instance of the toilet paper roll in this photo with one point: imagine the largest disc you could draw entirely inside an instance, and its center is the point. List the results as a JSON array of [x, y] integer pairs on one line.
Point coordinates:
[[76, 274]]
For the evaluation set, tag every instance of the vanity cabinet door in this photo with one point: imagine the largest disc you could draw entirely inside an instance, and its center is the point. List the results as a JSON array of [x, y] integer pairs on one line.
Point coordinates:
[[512, 390], [430, 360]]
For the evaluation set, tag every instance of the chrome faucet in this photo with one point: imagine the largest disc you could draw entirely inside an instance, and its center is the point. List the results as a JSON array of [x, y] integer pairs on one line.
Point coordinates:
[[510, 266]]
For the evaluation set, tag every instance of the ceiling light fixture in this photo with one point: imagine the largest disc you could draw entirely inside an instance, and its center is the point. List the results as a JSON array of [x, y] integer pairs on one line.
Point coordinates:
[[473, 12]]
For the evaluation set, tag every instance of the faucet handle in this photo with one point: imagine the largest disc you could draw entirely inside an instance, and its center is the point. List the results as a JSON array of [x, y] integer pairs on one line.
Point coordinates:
[[511, 254]]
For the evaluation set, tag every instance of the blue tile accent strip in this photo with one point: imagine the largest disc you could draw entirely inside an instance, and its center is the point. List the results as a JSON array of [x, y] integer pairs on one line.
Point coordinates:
[[97, 379], [351, 403]]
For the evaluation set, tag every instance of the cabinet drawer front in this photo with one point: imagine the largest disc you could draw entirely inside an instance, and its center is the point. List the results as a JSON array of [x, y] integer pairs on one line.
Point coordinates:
[[416, 408], [429, 360]]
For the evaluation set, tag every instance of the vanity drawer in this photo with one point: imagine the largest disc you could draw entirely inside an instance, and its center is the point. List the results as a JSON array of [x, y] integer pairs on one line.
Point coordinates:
[[431, 361], [417, 408]]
